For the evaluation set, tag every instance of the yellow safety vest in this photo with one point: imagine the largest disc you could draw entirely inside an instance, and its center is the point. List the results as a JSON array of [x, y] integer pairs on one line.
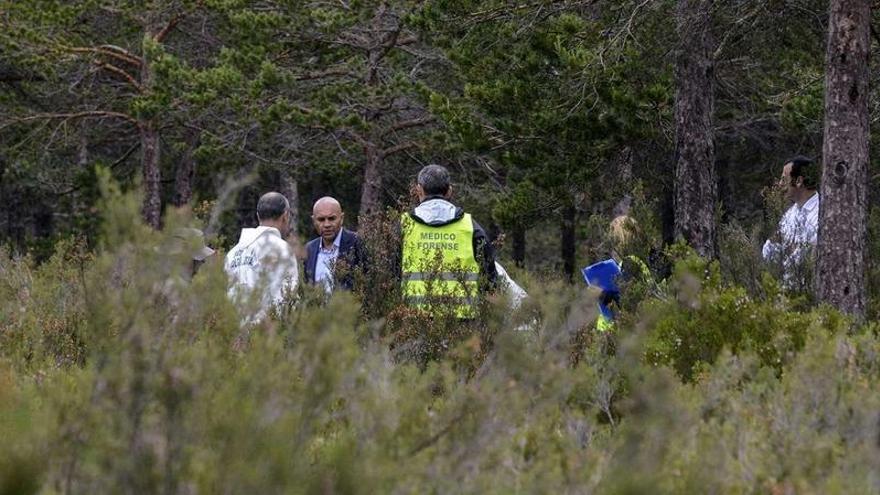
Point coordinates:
[[603, 324], [440, 271], [643, 268]]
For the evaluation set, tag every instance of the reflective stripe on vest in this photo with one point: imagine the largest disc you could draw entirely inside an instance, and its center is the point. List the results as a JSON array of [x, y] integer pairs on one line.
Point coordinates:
[[440, 271], [467, 277], [604, 324]]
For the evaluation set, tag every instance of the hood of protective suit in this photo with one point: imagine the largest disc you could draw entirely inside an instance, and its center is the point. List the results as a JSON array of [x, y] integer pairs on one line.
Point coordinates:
[[437, 212], [249, 236]]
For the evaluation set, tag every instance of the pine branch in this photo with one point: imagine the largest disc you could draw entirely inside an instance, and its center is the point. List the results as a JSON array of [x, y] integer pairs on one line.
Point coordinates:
[[327, 73], [160, 37], [398, 148], [110, 51], [98, 114], [125, 75], [408, 124]]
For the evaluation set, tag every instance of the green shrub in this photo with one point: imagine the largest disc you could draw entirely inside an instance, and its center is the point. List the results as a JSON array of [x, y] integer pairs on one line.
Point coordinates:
[[168, 393], [702, 316]]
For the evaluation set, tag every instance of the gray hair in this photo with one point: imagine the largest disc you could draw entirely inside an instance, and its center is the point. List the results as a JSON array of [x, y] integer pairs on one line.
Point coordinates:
[[271, 206], [434, 180]]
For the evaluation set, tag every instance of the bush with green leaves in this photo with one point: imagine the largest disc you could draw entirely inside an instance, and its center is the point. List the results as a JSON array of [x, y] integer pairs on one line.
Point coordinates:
[[169, 393], [701, 316]]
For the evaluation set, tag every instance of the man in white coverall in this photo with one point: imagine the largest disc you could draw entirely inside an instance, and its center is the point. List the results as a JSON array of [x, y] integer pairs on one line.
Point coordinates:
[[262, 267]]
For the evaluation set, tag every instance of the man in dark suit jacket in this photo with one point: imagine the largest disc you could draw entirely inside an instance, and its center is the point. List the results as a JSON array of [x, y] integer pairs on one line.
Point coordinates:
[[334, 243]]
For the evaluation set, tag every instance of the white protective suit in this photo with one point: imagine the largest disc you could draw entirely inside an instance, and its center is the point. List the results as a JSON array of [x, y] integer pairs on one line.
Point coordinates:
[[261, 261], [515, 293]]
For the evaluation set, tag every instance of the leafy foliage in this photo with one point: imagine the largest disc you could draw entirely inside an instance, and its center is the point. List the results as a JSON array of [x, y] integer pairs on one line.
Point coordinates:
[[701, 317], [117, 373]]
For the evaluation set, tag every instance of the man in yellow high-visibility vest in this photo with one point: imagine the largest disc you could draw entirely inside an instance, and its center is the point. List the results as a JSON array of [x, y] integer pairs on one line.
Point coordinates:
[[447, 261]]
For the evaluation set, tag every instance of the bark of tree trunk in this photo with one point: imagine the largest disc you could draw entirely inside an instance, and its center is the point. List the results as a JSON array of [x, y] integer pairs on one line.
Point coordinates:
[[150, 159], [152, 206], [840, 270], [625, 164], [8, 200], [569, 222], [185, 172], [82, 163], [246, 211], [696, 188], [519, 246], [380, 37], [289, 187], [82, 154], [372, 186]]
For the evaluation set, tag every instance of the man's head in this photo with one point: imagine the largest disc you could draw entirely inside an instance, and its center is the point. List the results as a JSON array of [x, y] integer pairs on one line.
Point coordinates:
[[433, 180], [327, 216], [190, 242], [799, 179], [273, 210], [621, 231]]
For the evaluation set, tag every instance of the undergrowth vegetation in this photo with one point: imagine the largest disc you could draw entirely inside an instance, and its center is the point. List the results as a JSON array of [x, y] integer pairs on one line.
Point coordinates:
[[119, 375]]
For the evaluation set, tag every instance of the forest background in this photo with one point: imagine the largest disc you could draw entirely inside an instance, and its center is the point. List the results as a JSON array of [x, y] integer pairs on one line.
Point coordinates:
[[122, 120], [548, 113]]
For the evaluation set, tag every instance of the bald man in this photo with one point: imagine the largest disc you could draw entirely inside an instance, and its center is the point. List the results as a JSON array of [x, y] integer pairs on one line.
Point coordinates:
[[334, 244]]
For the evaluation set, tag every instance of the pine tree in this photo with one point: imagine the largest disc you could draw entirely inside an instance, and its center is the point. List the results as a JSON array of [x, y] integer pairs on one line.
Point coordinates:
[[696, 188], [840, 273]]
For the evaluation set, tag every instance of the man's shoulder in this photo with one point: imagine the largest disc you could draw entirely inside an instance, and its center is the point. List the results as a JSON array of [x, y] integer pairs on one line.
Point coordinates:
[[791, 212], [234, 251], [350, 235], [312, 250], [312, 244], [274, 244], [478, 229], [350, 242]]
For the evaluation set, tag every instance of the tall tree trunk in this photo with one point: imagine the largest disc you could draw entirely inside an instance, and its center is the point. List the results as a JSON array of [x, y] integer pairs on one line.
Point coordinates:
[[289, 187], [696, 190], [840, 271], [8, 200], [372, 187], [152, 207], [519, 246], [82, 154], [82, 163], [186, 169], [569, 222], [625, 165], [246, 211], [150, 158], [381, 37]]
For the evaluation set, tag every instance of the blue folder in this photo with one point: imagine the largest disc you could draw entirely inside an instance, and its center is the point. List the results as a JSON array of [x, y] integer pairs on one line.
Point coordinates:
[[603, 275]]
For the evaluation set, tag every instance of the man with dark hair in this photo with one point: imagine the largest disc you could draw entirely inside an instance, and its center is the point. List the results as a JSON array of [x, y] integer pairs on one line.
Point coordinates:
[[804, 168], [799, 228], [447, 259], [262, 265], [334, 243]]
